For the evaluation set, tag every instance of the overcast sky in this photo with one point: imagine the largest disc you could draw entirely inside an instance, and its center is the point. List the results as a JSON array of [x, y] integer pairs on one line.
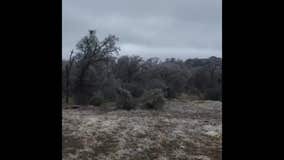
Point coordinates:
[[149, 28]]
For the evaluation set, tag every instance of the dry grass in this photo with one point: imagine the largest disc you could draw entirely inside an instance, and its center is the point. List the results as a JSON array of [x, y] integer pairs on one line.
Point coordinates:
[[184, 130]]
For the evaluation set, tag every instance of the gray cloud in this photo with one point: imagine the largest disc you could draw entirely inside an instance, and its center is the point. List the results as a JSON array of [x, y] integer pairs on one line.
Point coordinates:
[[160, 28]]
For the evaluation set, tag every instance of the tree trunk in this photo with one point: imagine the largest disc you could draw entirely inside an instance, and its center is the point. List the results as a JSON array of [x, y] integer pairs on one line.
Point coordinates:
[[67, 99], [67, 86]]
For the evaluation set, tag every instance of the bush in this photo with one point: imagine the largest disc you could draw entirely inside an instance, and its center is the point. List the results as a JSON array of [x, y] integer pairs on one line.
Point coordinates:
[[124, 99], [170, 93], [97, 99], [81, 99], [156, 84], [134, 89], [109, 88], [153, 99], [213, 94]]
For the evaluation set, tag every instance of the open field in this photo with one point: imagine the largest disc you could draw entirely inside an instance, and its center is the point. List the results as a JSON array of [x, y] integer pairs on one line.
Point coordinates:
[[183, 130]]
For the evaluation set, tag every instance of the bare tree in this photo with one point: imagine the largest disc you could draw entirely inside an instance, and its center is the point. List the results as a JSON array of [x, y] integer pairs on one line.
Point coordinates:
[[93, 68], [91, 51], [68, 68]]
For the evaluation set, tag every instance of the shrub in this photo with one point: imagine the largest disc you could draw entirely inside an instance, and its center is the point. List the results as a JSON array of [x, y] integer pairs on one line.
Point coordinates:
[[109, 88], [134, 89], [155, 83], [153, 99], [124, 99], [81, 99], [170, 93], [97, 99], [213, 94]]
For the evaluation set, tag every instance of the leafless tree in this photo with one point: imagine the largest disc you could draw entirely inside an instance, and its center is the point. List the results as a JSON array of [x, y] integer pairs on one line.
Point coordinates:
[[92, 51], [68, 68]]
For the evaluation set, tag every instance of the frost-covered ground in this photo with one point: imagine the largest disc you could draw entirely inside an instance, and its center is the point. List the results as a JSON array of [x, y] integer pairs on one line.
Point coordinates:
[[183, 130]]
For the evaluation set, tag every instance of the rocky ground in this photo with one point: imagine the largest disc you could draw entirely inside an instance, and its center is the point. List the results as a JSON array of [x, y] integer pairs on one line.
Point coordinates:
[[183, 130]]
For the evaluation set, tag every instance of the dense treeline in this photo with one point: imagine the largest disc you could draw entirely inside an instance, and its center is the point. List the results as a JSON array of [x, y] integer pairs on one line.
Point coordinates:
[[94, 73]]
